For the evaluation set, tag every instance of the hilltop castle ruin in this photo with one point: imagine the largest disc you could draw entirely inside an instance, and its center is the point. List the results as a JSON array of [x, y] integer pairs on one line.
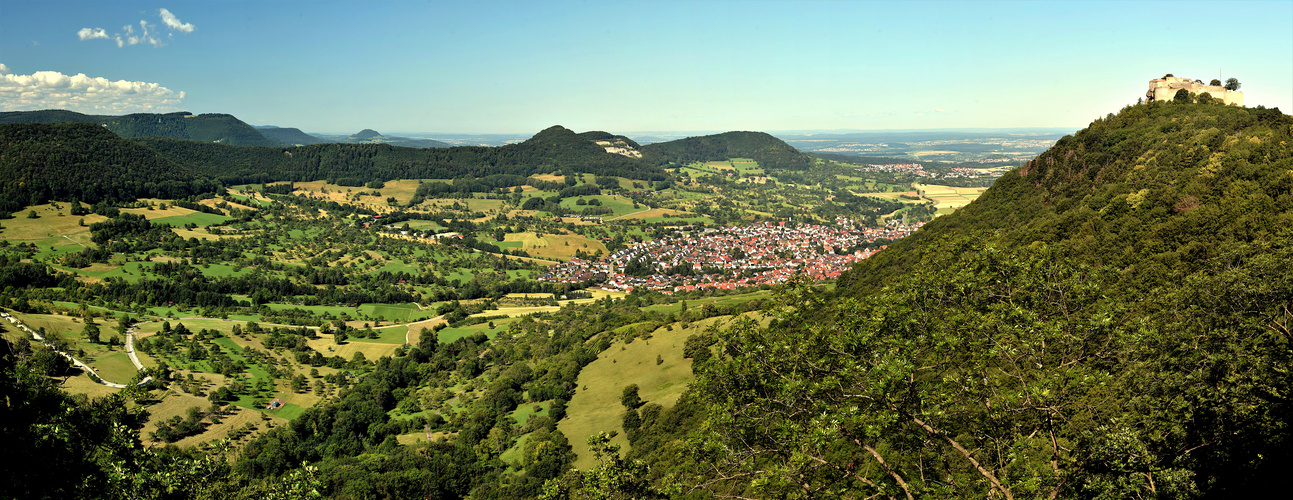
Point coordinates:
[[1164, 89]]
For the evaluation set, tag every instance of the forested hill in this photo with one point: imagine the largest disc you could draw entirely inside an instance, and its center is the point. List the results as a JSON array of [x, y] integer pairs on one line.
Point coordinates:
[[221, 128], [289, 136], [1111, 320], [370, 136], [1153, 191], [555, 148], [769, 151], [83, 161]]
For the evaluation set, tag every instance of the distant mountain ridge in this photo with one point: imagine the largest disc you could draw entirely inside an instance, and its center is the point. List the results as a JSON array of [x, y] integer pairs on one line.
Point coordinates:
[[199, 149], [370, 136], [554, 148], [212, 127]]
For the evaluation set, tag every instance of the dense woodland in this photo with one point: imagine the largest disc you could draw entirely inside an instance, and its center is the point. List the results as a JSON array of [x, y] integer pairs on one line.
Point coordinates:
[[83, 161], [1110, 320]]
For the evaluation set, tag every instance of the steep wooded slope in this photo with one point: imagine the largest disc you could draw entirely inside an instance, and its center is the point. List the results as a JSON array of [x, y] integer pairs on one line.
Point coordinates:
[[1111, 320], [83, 161], [1159, 189]]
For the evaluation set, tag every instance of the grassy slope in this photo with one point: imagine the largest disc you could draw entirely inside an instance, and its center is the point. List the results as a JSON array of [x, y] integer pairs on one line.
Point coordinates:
[[596, 405]]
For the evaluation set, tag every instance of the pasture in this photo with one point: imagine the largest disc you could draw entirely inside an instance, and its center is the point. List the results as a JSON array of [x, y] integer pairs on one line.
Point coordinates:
[[619, 205], [198, 218], [596, 406], [651, 213], [51, 222], [448, 335], [114, 367], [80, 383], [726, 300], [371, 350], [555, 246]]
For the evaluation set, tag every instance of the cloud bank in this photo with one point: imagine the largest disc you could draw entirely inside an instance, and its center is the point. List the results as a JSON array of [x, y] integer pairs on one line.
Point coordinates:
[[148, 33], [54, 90]]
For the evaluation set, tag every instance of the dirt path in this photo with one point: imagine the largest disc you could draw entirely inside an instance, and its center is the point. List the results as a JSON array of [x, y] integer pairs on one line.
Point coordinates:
[[69, 238], [407, 338], [626, 215], [77, 362]]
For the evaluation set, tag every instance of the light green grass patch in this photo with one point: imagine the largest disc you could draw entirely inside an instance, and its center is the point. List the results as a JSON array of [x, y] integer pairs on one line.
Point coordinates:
[[716, 300], [596, 406], [288, 411], [524, 411], [619, 205], [199, 218], [389, 312], [516, 453], [448, 335], [386, 335], [115, 367]]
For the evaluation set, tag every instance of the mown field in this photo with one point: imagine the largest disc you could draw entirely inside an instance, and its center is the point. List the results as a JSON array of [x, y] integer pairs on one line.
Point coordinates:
[[596, 406]]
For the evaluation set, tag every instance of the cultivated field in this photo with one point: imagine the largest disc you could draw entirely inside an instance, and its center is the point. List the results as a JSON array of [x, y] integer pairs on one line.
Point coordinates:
[[654, 212], [948, 197], [50, 223], [555, 246]]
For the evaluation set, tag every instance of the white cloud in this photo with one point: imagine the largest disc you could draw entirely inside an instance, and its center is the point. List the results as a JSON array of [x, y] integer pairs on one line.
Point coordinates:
[[90, 34], [148, 32], [54, 90], [174, 22]]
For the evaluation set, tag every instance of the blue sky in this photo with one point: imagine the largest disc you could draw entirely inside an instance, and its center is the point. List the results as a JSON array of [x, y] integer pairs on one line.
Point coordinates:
[[517, 67]]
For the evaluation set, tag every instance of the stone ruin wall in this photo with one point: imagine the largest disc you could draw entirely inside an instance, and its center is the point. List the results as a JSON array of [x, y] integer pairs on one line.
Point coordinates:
[[1164, 89]]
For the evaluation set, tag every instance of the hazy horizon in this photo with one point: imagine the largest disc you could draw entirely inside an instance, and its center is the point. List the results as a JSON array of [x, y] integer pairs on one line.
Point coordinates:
[[648, 67]]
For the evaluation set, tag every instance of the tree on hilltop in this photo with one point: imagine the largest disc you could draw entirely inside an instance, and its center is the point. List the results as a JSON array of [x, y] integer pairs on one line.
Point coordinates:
[[1232, 84], [1215, 82]]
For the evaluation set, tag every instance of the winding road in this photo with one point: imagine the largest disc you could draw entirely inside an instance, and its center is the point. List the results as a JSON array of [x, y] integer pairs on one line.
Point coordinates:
[[130, 344], [130, 350]]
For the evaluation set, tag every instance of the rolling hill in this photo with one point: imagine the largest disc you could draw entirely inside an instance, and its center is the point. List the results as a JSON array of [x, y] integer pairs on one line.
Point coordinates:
[[769, 151], [289, 136], [83, 161]]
